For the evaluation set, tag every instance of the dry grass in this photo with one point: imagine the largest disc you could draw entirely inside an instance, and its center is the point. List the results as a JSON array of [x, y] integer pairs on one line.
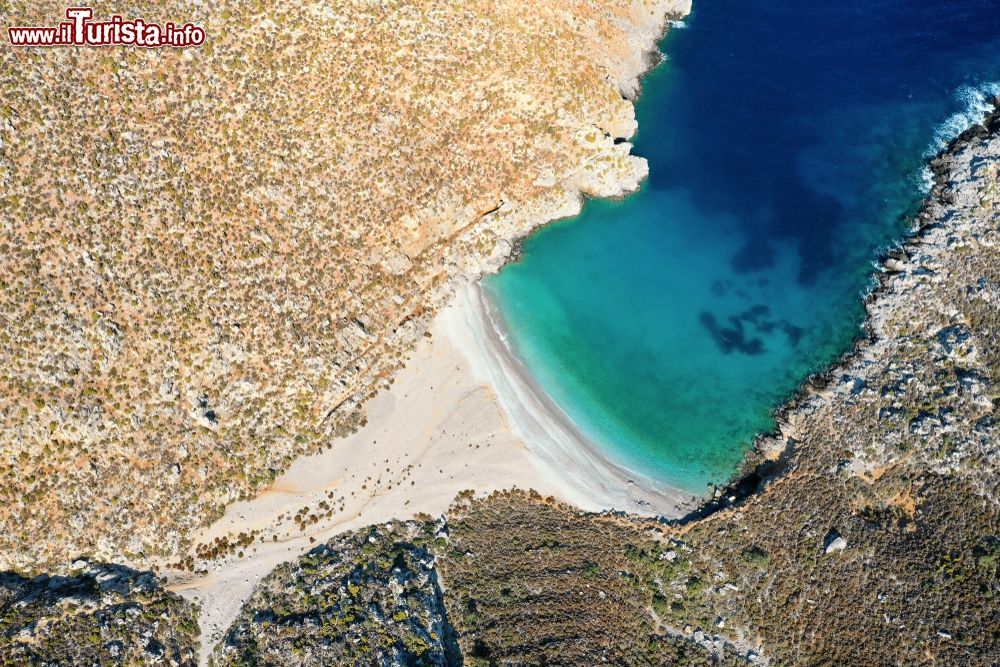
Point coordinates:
[[210, 258]]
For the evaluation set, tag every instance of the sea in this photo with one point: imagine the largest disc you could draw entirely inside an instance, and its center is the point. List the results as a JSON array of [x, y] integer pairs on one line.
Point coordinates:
[[788, 146]]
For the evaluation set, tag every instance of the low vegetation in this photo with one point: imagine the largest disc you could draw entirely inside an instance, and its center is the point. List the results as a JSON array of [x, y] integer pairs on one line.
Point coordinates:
[[367, 598], [530, 582], [198, 288], [98, 615]]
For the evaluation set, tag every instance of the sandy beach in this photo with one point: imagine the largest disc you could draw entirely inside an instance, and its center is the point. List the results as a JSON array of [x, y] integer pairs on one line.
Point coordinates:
[[463, 415], [555, 443]]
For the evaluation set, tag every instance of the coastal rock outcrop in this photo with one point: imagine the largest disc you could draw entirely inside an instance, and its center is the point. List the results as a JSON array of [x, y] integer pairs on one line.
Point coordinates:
[[366, 598], [98, 615], [574, 593], [896, 449]]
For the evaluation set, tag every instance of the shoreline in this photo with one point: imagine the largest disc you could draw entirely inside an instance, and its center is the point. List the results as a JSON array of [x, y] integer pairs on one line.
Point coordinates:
[[767, 460], [543, 437], [493, 459], [463, 415], [598, 483]]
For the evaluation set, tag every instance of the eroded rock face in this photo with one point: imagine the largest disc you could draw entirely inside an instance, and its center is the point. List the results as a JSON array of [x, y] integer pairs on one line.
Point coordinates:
[[99, 615], [367, 598], [524, 583], [209, 258]]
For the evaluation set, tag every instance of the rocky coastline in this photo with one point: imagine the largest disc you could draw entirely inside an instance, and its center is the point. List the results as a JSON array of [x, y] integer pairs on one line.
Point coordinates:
[[875, 543], [771, 452]]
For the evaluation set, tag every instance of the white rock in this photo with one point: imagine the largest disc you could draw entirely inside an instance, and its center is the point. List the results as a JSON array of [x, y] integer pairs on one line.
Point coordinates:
[[837, 544]]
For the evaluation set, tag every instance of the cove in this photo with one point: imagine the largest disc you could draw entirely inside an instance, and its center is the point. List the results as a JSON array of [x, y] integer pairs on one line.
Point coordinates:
[[787, 145]]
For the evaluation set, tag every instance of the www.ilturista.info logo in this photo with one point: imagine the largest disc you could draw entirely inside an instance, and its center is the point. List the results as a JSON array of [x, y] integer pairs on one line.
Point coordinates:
[[80, 31]]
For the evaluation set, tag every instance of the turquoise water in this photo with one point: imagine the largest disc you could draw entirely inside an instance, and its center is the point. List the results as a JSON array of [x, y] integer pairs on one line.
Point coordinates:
[[787, 145]]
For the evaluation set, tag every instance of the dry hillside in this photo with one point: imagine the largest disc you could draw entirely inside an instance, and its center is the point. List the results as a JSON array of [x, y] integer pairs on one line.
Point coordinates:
[[210, 258]]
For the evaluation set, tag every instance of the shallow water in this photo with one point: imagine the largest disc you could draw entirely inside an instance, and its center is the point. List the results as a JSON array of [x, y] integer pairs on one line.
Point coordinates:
[[787, 145]]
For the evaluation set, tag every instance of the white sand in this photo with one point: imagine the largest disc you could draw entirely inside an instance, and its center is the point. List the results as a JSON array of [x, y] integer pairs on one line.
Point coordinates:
[[586, 477], [464, 414]]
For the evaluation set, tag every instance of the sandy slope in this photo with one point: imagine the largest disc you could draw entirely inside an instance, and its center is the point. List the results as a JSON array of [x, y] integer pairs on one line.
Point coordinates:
[[439, 430]]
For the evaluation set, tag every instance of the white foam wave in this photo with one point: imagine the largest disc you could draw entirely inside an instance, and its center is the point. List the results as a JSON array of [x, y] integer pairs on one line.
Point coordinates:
[[976, 102], [677, 24], [926, 183]]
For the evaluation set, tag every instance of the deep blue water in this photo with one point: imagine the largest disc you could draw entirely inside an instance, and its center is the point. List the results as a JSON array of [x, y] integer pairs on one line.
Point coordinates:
[[786, 143]]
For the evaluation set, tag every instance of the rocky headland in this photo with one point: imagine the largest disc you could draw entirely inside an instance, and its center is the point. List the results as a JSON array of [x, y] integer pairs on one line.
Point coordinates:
[[97, 614], [369, 597]]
